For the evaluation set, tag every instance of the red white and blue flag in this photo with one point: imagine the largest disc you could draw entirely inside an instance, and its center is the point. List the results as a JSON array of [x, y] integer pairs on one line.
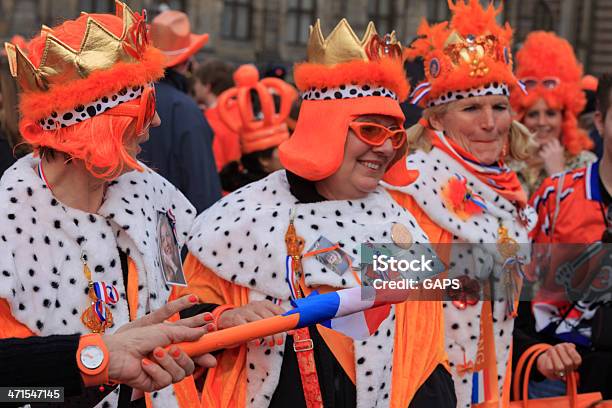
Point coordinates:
[[354, 312]]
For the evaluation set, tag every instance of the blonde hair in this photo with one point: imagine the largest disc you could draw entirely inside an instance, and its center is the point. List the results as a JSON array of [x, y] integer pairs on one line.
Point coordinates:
[[521, 140]]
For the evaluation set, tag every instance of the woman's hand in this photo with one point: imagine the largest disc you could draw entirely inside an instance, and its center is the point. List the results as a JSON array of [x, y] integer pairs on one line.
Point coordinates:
[[553, 155], [558, 361], [137, 354], [252, 312]]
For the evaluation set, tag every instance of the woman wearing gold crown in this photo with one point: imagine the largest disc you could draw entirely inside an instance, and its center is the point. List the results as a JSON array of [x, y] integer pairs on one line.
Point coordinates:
[[301, 229], [463, 193], [80, 250], [547, 67]]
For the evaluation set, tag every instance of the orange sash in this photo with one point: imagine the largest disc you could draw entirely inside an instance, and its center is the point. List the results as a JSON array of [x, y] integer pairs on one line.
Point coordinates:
[[504, 183]]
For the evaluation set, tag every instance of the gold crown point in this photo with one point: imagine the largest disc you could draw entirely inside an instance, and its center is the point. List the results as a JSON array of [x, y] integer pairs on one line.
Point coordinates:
[[341, 45], [370, 32], [11, 54], [454, 38], [58, 61]]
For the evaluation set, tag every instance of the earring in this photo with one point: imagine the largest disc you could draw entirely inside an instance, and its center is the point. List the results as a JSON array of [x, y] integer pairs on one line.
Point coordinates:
[[504, 151]]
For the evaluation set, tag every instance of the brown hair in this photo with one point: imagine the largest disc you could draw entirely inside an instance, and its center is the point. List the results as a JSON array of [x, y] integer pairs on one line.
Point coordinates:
[[217, 74]]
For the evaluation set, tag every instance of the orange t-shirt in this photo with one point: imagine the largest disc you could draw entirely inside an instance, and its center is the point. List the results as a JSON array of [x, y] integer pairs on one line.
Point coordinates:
[[226, 142]]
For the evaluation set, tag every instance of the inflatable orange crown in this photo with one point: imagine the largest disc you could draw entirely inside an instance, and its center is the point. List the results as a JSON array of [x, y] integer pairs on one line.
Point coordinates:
[[257, 134]]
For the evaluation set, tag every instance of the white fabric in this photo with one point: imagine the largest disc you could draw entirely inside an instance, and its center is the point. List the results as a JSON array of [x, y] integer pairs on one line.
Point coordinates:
[[42, 240], [462, 327], [241, 239]]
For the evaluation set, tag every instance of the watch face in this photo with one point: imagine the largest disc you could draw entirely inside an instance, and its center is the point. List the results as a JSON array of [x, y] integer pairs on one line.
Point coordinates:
[[92, 357]]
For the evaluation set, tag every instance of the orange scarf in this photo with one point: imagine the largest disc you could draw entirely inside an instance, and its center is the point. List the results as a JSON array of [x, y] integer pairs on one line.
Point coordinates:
[[499, 177]]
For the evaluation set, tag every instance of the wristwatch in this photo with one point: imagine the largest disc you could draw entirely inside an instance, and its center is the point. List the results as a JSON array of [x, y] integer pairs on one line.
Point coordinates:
[[92, 358]]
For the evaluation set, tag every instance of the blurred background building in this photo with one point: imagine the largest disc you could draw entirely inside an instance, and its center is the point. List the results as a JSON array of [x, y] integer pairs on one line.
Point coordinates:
[[275, 31]]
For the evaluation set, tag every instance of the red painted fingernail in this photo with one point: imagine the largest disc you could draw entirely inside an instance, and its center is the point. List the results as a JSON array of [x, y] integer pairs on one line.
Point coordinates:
[[159, 353], [271, 343], [279, 342], [210, 327], [208, 317], [193, 299], [175, 353], [146, 361]]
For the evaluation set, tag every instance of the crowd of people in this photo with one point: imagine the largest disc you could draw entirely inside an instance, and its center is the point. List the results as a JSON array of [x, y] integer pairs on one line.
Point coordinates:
[[148, 199]]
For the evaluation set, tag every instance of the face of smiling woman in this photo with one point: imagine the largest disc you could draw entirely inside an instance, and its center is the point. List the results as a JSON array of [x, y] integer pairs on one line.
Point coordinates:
[[544, 121], [363, 166], [479, 125]]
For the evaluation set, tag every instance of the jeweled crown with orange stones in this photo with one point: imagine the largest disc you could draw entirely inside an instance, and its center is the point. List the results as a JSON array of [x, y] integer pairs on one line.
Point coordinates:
[[100, 49], [343, 45], [470, 55]]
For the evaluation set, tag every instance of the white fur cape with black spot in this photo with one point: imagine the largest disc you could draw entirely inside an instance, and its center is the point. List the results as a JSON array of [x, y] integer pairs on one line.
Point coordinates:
[[41, 272], [242, 239], [462, 327]]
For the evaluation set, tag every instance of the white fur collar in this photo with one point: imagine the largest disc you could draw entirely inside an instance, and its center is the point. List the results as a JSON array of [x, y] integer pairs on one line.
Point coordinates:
[[41, 274], [241, 239], [462, 327], [43, 241], [435, 169]]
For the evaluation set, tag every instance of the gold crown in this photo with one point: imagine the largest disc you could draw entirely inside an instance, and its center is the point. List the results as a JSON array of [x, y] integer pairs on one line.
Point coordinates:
[[100, 49], [343, 45], [472, 50]]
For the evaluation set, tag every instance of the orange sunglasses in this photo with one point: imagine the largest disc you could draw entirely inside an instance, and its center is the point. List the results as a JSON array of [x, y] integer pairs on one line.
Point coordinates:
[[144, 111], [376, 135]]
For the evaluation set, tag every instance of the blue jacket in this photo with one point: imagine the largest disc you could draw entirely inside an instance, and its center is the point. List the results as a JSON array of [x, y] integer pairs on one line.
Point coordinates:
[[180, 149]]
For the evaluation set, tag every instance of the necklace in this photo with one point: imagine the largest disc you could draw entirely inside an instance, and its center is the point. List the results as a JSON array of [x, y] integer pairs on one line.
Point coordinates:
[[97, 317], [508, 247]]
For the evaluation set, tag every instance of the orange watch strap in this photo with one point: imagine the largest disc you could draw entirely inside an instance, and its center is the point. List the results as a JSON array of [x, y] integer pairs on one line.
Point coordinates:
[[99, 375], [219, 310]]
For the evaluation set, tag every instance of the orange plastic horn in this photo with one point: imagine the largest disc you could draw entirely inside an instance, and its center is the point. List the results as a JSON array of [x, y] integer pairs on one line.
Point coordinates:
[[233, 336], [257, 134]]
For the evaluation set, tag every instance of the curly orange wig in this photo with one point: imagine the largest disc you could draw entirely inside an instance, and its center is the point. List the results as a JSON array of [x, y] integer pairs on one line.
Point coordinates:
[[545, 55], [468, 52], [100, 140]]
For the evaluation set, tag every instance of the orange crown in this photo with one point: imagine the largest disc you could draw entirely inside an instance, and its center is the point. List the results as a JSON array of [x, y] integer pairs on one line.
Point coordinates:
[[468, 57], [257, 134], [59, 76], [548, 67]]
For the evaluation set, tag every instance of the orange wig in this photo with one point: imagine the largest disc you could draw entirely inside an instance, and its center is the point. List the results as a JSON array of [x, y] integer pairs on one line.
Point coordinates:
[[100, 140], [544, 56]]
